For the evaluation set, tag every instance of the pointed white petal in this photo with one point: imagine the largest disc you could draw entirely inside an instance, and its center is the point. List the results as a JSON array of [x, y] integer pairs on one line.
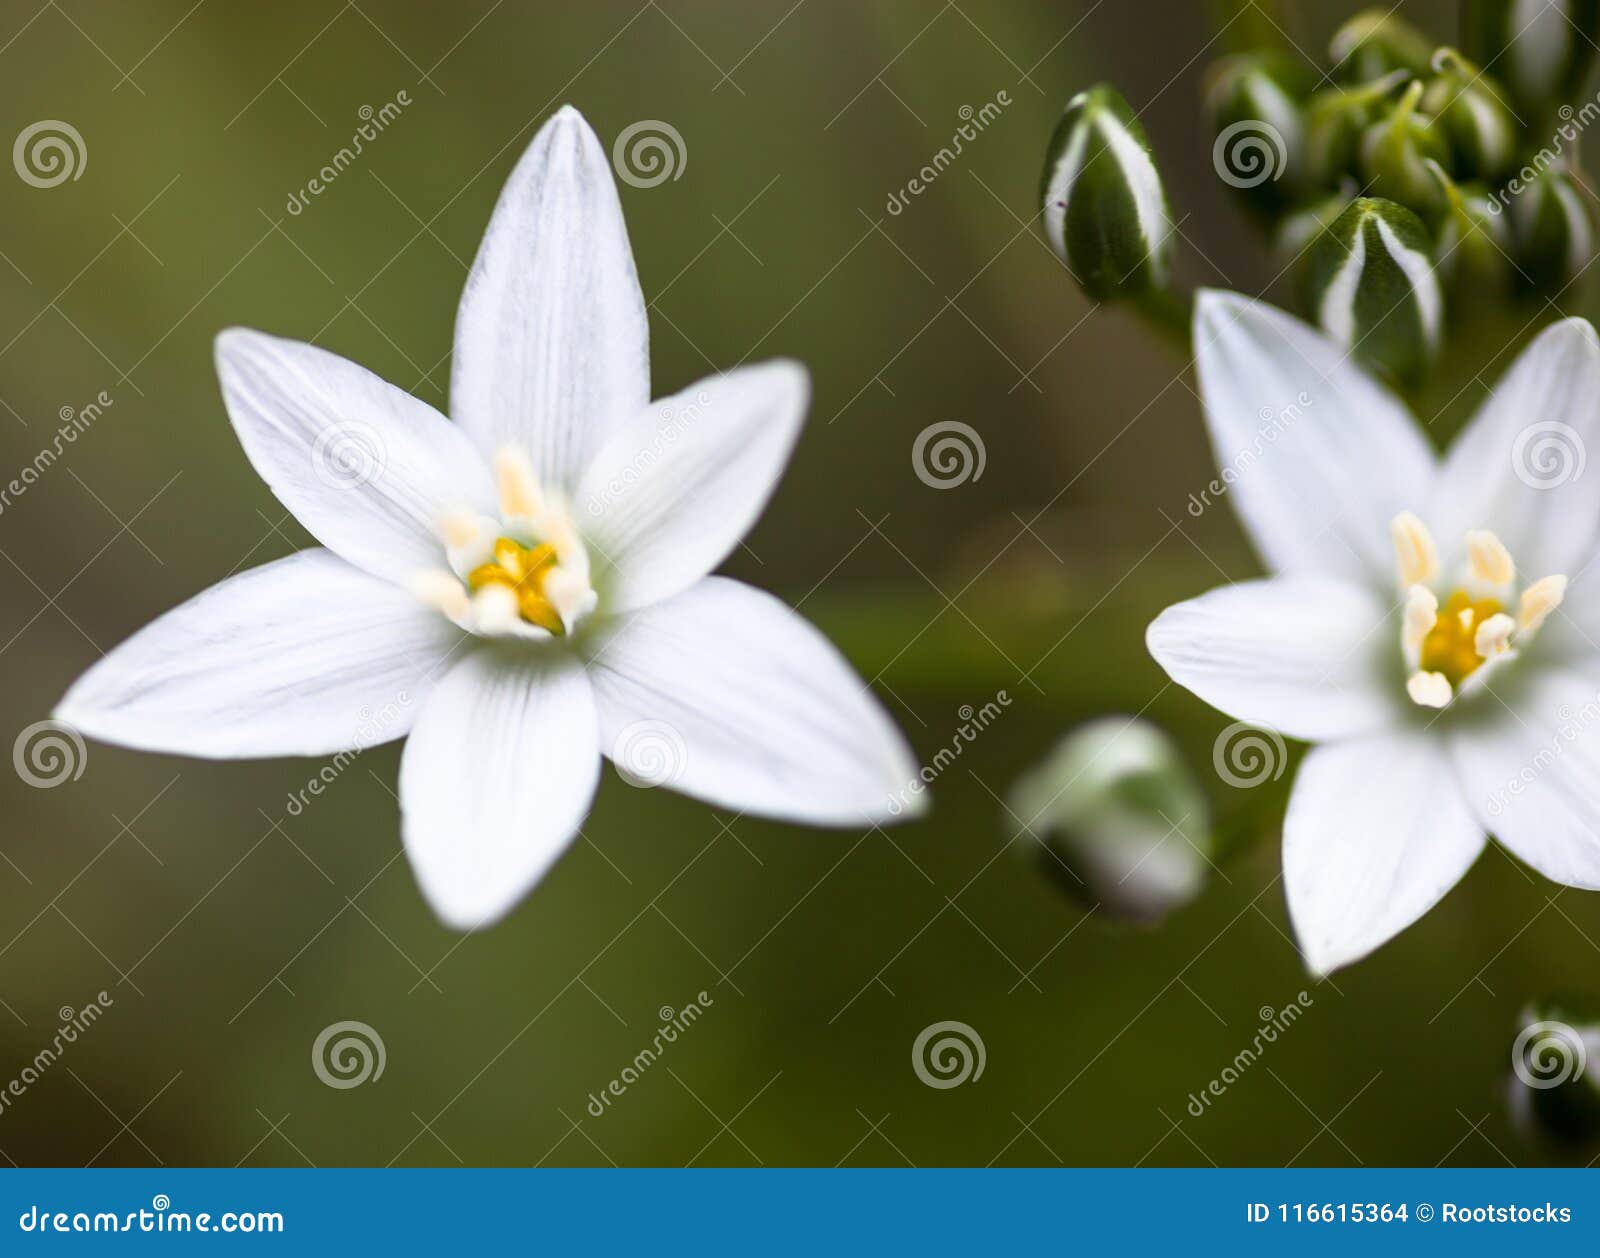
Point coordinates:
[[677, 487], [366, 468], [300, 657], [552, 343], [1521, 467], [1532, 774], [726, 694], [496, 778], [1299, 655], [1318, 457], [1376, 833]]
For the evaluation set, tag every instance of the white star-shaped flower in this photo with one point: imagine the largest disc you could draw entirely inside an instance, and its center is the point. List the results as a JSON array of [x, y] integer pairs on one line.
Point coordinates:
[[1419, 626], [523, 589]]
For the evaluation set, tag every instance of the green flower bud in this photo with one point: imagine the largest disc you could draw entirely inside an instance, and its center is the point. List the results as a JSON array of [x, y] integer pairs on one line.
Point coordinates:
[[1105, 211], [1553, 228], [1553, 1090], [1395, 152], [1119, 818], [1471, 111], [1542, 50], [1372, 285], [1474, 246], [1376, 42], [1334, 121], [1253, 103]]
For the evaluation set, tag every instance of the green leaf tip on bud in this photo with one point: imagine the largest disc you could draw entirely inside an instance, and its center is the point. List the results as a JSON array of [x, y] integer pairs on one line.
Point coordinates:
[[1474, 248], [1553, 1089], [1335, 119], [1553, 227], [1394, 154], [1118, 817], [1371, 281], [1105, 210], [1542, 50], [1471, 111]]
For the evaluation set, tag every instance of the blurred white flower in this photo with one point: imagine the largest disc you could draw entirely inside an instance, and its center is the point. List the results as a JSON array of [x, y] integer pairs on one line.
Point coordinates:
[[1419, 625], [531, 578]]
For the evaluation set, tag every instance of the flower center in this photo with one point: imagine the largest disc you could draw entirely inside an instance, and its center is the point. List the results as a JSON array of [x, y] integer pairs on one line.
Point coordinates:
[[525, 574], [1446, 644]]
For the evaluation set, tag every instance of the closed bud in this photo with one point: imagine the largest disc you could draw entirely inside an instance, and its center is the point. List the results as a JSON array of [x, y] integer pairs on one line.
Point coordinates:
[[1540, 49], [1335, 119], [1554, 231], [1376, 42], [1474, 245], [1553, 1090], [1372, 284], [1296, 231], [1471, 111], [1395, 151], [1105, 211], [1119, 818], [1253, 100]]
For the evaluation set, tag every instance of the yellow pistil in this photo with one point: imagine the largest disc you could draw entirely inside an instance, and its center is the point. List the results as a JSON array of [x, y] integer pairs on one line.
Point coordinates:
[[522, 570], [1450, 648]]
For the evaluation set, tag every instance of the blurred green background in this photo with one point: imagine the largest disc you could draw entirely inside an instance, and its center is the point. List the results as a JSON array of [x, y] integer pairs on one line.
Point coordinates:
[[229, 933]]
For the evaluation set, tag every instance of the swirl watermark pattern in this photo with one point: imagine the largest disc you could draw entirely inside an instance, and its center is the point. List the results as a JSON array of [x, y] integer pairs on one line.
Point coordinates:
[[649, 754], [49, 152], [48, 753], [649, 152], [348, 1054], [1249, 153], [348, 455], [1548, 454], [1246, 755], [948, 454], [948, 1054], [1547, 1054]]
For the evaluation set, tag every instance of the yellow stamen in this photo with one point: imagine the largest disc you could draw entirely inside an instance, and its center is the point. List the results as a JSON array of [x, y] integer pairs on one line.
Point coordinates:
[[1539, 600], [1414, 550], [1490, 560], [1450, 647], [517, 485], [521, 571], [1430, 690]]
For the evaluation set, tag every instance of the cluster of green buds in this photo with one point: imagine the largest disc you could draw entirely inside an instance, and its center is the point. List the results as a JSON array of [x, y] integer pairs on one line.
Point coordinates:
[[1406, 187]]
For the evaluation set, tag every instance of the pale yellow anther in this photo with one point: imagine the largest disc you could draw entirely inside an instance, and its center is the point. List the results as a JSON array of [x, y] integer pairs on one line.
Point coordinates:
[[1415, 553], [442, 591], [518, 487], [1490, 560], [1494, 635], [495, 608], [1429, 690], [1539, 600], [460, 529], [1422, 609]]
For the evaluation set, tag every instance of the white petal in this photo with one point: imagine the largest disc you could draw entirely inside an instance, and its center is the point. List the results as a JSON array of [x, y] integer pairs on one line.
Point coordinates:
[[366, 468], [1375, 834], [1317, 456], [1300, 655], [726, 694], [496, 779], [673, 492], [1532, 774], [1520, 468], [552, 343], [300, 657]]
